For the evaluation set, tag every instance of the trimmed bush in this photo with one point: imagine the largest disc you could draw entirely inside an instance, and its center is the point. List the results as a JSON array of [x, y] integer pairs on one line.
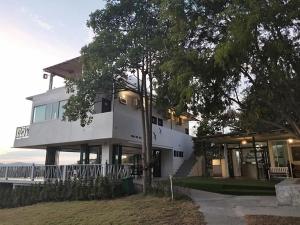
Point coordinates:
[[101, 188]]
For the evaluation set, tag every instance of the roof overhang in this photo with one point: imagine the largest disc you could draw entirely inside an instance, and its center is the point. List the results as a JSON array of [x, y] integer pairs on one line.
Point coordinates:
[[70, 69], [232, 138]]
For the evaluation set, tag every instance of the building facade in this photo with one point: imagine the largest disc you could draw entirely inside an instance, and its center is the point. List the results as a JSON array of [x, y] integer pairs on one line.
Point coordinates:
[[113, 137]]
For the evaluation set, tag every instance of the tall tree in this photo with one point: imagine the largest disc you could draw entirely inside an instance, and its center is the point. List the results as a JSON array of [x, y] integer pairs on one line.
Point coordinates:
[[128, 40], [239, 56]]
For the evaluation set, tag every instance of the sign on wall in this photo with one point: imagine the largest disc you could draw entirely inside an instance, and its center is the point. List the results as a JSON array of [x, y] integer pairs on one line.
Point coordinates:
[[22, 132]]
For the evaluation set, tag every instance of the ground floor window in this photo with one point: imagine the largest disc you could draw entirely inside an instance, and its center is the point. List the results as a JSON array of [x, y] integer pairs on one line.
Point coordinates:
[[279, 151]]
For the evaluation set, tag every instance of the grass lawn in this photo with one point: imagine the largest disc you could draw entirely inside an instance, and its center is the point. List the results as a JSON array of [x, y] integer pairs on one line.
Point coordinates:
[[228, 186], [136, 209]]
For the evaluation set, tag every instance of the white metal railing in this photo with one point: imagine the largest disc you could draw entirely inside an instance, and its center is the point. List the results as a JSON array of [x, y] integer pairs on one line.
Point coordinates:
[[64, 172], [278, 172]]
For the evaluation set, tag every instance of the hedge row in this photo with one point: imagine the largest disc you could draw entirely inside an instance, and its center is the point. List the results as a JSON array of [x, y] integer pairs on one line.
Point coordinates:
[[58, 191]]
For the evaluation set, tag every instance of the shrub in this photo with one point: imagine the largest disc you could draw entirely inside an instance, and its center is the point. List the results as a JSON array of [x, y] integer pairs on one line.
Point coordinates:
[[70, 190]]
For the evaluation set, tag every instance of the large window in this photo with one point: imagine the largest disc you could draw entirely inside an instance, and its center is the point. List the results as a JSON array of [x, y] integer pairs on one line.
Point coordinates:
[[279, 149], [39, 113], [50, 111]]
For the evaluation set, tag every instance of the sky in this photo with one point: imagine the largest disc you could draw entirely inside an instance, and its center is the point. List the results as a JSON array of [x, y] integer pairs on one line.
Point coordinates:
[[35, 34]]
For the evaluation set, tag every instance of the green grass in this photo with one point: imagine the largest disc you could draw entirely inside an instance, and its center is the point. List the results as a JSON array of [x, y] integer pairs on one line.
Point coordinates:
[[228, 186], [132, 210]]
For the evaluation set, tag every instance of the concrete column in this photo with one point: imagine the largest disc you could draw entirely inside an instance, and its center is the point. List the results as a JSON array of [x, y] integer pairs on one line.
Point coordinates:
[[84, 154], [106, 154], [52, 156], [99, 155]]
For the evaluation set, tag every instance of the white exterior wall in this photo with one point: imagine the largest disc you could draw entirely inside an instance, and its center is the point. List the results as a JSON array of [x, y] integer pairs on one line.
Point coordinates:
[[56, 131], [127, 127], [122, 124]]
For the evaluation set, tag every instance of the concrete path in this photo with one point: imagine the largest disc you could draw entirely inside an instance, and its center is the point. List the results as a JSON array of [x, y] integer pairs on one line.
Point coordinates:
[[221, 209]]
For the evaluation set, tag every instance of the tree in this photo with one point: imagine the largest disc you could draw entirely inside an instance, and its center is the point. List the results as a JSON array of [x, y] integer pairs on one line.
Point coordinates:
[[128, 40], [237, 58]]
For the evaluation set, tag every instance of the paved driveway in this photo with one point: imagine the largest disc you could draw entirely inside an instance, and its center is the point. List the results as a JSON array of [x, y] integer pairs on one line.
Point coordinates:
[[219, 209]]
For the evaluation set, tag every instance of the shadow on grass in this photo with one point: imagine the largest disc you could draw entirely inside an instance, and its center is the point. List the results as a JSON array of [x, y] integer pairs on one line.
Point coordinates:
[[228, 186]]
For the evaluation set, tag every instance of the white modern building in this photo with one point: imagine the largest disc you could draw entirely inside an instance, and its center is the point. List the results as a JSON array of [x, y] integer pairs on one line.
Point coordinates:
[[113, 137]]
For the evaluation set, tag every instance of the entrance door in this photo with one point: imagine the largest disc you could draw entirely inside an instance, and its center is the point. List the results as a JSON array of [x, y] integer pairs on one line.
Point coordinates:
[[157, 163]]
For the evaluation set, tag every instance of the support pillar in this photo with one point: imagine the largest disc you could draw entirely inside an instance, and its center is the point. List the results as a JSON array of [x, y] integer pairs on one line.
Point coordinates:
[[99, 155], [106, 154], [52, 156]]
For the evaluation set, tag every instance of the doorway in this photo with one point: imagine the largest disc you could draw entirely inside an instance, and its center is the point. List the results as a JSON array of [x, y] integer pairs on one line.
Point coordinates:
[[157, 163]]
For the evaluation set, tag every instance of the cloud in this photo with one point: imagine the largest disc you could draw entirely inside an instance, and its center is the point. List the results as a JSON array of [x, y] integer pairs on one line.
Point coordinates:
[[37, 19], [42, 24]]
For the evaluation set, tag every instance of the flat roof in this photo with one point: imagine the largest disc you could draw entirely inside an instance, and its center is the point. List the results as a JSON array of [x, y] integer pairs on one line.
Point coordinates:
[[70, 69], [237, 137]]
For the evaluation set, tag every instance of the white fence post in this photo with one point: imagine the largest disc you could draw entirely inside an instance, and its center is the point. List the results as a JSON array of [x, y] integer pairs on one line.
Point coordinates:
[[64, 173], [171, 182], [32, 173], [6, 173]]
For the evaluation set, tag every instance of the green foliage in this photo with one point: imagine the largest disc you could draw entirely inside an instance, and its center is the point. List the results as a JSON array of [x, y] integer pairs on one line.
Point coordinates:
[[102, 188], [128, 38], [240, 56]]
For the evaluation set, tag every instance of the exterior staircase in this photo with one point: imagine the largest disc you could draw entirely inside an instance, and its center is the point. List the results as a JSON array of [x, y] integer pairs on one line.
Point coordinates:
[[186, 167]]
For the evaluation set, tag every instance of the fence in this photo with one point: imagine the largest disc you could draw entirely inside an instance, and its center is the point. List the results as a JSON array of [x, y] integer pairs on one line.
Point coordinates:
[[64, 172]]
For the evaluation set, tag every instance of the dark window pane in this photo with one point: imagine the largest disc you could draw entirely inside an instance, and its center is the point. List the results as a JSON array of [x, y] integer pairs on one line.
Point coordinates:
[[106, 105], [160, 122], [154, 120]]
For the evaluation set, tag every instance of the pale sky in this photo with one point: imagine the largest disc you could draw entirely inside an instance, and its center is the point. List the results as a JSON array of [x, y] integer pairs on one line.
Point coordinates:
[[35, 34]]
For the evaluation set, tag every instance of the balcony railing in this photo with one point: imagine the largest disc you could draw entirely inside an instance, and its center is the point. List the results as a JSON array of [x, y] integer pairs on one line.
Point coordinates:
[[63, 172]]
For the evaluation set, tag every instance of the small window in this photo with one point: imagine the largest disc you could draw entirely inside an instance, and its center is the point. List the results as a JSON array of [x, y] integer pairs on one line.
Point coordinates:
[[160, 122], [175, 153], [181, 154], [154, 120], [106, 105], [187, 130], [39, 113]]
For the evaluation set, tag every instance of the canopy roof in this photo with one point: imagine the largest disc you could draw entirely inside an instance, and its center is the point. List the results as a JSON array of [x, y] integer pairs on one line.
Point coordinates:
[[238, 137], [70, 69]]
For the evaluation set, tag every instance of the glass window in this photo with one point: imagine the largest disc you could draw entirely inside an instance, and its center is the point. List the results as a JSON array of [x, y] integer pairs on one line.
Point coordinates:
[[160, 122], [39, 113], [61, 109], [154, 120], [279, 149], [54, 111], [48, 111]]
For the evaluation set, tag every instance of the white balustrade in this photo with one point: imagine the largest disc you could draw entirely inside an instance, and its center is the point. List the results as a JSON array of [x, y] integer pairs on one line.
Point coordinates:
[[64, 172]]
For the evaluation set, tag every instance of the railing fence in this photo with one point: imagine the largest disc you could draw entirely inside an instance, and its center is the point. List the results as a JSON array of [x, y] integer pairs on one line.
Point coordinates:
[[64, 172]]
